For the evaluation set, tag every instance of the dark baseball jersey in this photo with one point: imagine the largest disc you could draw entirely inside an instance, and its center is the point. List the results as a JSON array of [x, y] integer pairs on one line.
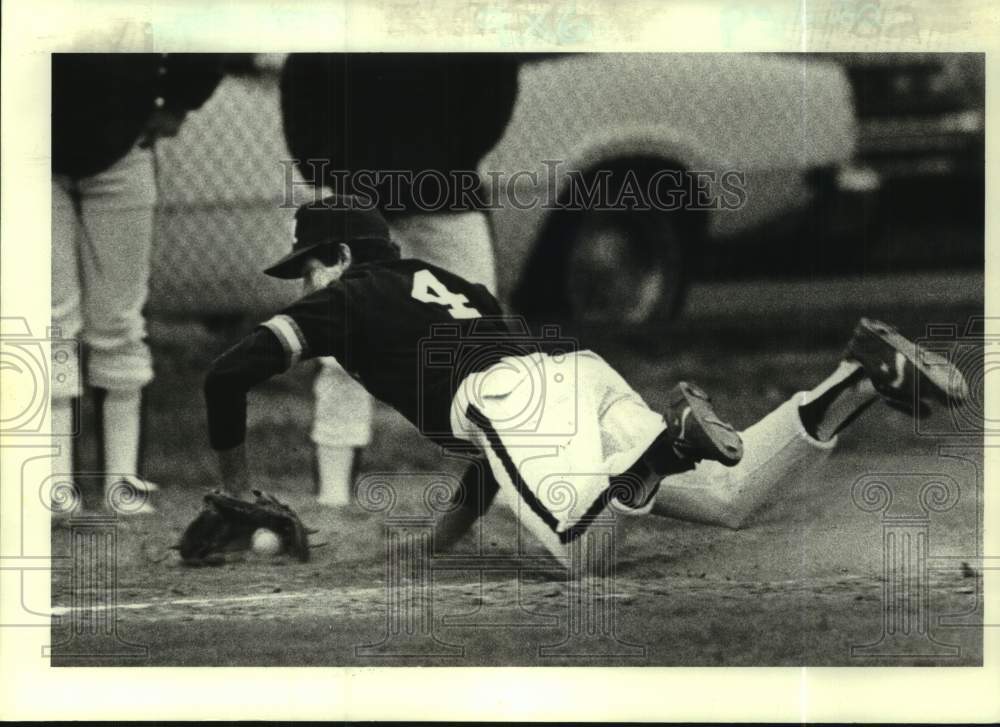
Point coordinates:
[[407, 330]]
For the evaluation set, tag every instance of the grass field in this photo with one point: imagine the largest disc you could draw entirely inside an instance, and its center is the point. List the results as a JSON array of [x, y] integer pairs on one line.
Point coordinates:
[[802, 585]]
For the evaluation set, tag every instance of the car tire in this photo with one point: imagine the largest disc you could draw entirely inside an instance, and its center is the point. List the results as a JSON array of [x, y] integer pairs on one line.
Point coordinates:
[[629, 269], [603, 266], [625, 268]]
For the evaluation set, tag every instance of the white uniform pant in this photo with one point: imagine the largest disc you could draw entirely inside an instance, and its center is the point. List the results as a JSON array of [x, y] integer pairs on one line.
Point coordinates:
[[102, 235], [554, 429], [460, 242], [548, 479]]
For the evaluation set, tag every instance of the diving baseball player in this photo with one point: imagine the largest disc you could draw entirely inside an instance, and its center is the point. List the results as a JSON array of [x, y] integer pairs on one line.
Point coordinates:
[[430, 112], [563, 435]]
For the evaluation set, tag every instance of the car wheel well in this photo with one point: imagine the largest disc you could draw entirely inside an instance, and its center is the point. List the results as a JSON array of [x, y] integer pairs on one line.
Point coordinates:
[[643, 167], [541, 290]]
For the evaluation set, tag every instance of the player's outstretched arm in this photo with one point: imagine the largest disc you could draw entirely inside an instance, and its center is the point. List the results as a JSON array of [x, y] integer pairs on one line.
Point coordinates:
[[313, 326], [234, 470], [250, 362]]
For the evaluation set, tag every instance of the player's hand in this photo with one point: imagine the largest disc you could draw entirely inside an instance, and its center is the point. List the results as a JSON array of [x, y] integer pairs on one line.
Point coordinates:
[[163, 123]]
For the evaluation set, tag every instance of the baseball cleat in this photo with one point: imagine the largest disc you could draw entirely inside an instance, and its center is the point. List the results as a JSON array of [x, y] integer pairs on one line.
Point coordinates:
[[901, 371], [697, 431]]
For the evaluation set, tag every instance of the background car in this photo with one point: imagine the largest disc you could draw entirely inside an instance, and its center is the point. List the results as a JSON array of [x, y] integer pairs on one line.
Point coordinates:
[[783, 127], [921, 127]]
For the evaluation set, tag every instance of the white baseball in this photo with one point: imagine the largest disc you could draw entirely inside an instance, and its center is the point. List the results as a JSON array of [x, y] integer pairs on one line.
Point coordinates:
[[265, 542]]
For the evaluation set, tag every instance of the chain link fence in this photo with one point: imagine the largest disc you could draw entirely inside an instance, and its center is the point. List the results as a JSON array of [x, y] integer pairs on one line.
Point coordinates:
[[775, 119]]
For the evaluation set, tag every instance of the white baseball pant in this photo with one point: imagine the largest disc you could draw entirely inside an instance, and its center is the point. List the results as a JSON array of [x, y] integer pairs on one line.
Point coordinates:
[[102, 236], [548, 479], [554, 430]]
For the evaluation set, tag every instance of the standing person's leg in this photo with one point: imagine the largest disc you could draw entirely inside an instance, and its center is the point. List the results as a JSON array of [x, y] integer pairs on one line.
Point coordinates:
[[67, 319], [117, 218], [342, 425]]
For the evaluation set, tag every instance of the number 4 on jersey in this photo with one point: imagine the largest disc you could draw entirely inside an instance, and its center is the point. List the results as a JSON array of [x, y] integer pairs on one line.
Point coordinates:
[[428, 289]]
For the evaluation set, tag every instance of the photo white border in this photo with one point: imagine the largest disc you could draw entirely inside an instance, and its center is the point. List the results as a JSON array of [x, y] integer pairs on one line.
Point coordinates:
[[30, 688]]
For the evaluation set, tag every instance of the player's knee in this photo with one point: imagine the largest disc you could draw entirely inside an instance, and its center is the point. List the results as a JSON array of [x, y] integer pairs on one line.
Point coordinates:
[[113, 328], [734, 517], [125, 365], [65, 369], [67, 318]]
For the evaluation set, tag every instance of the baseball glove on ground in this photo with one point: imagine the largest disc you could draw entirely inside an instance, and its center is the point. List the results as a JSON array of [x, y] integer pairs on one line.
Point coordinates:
[[227, 524]]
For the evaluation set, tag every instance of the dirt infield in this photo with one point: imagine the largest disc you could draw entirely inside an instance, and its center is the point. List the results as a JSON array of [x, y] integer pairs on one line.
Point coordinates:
[[802, 586], [811, 581]]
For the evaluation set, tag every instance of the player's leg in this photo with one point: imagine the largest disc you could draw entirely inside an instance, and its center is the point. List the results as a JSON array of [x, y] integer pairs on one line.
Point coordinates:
[[880, 362], [777, 449], [558, 485], [117, 208], [694, 433], [342, 424], [687, 434], [476, 493], [67, 321], [797, 436]]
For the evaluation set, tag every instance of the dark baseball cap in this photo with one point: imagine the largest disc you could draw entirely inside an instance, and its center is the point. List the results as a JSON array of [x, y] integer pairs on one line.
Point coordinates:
[[321, 226]]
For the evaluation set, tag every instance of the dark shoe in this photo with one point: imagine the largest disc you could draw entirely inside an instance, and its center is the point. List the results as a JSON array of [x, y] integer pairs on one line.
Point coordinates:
[[895, 365], [697, 431]]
